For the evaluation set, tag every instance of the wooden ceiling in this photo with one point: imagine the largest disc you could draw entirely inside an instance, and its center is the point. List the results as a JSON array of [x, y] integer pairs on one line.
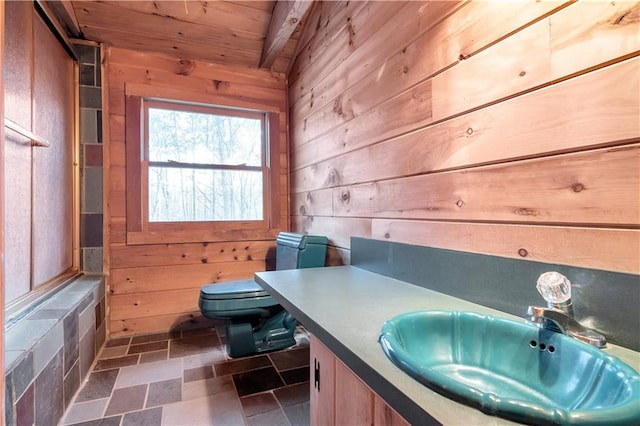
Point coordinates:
[[256, 34]]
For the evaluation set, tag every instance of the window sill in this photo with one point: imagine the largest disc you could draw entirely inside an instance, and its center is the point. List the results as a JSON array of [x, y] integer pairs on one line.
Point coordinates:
[[199, 236]]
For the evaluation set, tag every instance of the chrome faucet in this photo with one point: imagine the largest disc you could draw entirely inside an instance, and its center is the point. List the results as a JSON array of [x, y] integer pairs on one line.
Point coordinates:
[[555, 288]]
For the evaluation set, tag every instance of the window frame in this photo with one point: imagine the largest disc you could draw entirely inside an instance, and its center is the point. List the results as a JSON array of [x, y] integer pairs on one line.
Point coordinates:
[[142, 231]]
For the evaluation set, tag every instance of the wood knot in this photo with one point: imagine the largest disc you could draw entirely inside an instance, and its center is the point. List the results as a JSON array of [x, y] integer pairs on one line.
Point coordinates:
[[185, 67], [577, 187], [524, 211], [337, 106], [469, 131], [405, 69], [334, 178], [459, 203], [345, 196], [204, 260], [522, 73], [352, 34], [387, 235], [523, 252], [302, 210]]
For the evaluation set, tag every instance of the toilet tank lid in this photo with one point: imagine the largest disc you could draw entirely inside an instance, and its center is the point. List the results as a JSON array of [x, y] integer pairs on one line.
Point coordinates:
[[233, 290], [291, 239]]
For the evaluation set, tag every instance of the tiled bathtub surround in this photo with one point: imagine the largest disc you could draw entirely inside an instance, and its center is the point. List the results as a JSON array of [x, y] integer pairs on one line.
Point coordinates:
[[49, 351], [91, 241], [186, 378]]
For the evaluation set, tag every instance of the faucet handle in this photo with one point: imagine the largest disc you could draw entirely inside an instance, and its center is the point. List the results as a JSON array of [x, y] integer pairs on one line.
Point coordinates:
[[554, 287]]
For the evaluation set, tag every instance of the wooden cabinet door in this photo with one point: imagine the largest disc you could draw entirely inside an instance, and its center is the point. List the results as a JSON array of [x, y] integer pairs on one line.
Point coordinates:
[[354, 399], [339, 397], [383, 415], [322, 365]]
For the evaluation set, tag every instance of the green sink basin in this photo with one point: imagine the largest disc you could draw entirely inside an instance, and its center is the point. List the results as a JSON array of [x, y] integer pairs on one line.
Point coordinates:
[[513, 369]]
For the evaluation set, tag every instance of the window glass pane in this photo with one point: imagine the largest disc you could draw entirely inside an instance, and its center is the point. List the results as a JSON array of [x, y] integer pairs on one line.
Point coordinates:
[[184, 194], [201, 138]]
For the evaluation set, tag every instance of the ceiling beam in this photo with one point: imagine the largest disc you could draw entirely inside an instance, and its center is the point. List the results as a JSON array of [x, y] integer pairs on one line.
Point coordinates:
[[284, 20], [63, 10]]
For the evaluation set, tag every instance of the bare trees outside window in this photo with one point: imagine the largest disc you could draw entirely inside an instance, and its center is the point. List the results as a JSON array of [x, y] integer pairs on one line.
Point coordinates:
[[204, 164]]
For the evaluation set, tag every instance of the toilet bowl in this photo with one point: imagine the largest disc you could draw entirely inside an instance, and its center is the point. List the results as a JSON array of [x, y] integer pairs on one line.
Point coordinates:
[[255, 322]]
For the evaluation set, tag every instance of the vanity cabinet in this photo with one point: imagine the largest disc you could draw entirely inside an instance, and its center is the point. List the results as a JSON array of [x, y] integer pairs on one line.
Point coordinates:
[[339, 397]]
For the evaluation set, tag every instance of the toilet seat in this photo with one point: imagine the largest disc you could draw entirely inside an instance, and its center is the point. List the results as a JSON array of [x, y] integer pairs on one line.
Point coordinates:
[[245, 297]]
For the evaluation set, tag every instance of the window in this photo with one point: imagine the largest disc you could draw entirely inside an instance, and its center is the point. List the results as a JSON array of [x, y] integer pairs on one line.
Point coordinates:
[[40, 189], [205, 164], [194, 170]]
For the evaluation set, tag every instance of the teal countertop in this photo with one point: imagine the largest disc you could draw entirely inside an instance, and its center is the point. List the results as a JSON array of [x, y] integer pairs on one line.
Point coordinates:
[[345, 307]]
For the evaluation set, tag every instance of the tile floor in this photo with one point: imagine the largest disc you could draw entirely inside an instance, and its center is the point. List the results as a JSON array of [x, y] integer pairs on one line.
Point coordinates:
[[186, 378]]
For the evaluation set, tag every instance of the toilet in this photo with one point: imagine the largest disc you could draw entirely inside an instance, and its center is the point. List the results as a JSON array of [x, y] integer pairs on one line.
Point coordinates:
[[255, 322]]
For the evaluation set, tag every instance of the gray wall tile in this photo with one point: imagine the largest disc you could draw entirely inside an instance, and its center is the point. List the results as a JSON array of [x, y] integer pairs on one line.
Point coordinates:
[[92, 260], [92, 190], [49, 404], [88, 125], [90, 97], [48, 347], [71, 340]]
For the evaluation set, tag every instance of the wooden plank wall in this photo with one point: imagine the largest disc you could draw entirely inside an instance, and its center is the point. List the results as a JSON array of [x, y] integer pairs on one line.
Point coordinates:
[[504, 128], [154, 288]]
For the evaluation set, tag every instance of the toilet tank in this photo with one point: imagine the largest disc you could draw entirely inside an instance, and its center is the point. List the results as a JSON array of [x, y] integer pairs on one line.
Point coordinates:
[[296, 251]]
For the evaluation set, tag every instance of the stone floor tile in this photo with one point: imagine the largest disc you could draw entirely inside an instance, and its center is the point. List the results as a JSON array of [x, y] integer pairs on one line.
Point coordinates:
[[109, 421], [164, 392], [99, 385], [255, 381], [271, 418], [210, 358], [126, 399], [116, 352], [202, 388], [242, 365], [150, 417], [259, 403], [187, 377], [147, 338], [299, 414], [123, 361], [122, 341], [147, 373], [291, 395], [148, 347], [154, 356], [198, 373], [85, 411], [292, 358], [220, 409], [297, 375], [191, 346]]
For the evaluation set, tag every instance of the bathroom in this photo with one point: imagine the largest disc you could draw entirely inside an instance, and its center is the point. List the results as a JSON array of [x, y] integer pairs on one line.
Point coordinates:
[[503, 129]]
